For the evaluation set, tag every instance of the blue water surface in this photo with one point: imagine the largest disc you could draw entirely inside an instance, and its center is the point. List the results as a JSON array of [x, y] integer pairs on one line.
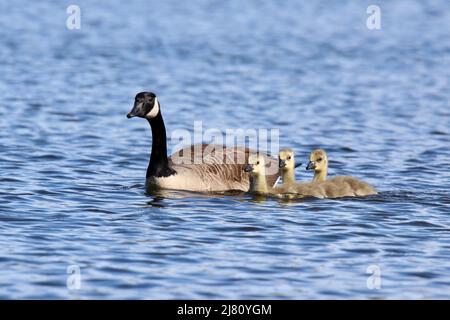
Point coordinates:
[[72, 167]]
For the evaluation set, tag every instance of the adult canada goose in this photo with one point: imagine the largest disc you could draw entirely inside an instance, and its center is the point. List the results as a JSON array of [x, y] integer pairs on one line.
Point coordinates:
[[209, 168], [287, 172], [340, 186]]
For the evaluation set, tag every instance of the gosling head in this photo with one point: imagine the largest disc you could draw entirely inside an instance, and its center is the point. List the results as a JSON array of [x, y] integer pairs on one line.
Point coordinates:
[[318, 160], [255, 164], [286, 160], [146, 105]]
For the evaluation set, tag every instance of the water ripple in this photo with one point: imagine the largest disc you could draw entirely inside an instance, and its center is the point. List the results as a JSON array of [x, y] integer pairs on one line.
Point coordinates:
[[72, 167]]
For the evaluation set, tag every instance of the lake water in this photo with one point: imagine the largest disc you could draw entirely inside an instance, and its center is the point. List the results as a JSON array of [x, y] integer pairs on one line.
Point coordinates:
[[72, 167]]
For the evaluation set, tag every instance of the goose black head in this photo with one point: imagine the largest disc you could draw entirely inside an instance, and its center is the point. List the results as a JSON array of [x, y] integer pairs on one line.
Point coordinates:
[[146, 105]]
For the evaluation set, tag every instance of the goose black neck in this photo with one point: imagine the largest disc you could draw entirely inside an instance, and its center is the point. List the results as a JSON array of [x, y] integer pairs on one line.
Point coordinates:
[[159, 164]]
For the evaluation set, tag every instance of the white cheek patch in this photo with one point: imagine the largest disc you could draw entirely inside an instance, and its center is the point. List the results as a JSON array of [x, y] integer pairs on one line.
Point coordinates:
[[155, 110]]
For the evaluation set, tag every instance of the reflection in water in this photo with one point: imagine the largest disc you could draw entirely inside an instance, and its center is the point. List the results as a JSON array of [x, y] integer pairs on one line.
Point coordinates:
[[156, 202]]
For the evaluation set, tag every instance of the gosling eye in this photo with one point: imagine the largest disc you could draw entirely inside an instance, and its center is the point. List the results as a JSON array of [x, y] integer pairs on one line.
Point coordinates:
[[289, 158], [320, 159], [257, 162]]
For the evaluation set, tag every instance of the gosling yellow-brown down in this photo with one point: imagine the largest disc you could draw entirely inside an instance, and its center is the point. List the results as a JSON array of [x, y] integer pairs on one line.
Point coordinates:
[[287, 166], [340, 186], [256, 166]]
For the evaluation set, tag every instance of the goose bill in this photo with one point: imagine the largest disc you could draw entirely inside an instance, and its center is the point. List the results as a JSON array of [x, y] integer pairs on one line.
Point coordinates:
[[311, 165]]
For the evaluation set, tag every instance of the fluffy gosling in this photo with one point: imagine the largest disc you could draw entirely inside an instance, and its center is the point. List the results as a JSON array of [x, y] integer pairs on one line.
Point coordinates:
[[336, 187]]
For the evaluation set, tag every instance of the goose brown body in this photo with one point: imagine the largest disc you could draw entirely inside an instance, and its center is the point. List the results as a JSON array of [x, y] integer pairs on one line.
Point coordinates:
[[213, 171]]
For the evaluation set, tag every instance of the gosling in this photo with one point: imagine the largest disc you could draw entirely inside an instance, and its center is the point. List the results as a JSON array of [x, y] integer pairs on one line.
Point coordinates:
[[258, 182], [287, 165], [336, 187]]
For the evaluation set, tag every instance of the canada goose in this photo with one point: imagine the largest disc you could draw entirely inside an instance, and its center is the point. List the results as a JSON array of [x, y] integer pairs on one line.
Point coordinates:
[[211, 168], [287, 166], [340, 186]]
